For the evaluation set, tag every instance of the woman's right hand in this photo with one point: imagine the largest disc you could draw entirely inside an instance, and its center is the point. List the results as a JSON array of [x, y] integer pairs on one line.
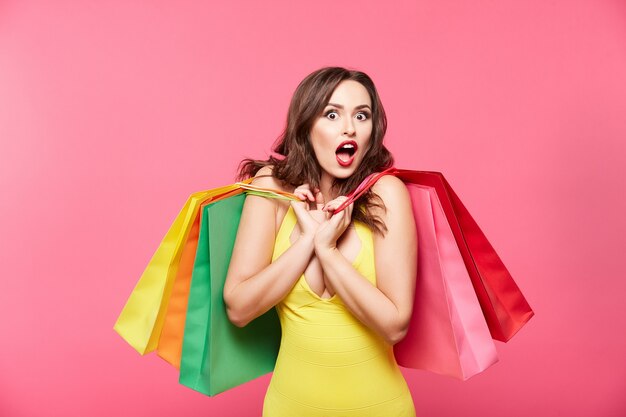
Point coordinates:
[[308, 218]]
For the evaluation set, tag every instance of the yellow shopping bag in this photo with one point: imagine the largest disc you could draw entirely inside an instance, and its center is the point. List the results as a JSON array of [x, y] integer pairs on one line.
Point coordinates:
[[141, 320]]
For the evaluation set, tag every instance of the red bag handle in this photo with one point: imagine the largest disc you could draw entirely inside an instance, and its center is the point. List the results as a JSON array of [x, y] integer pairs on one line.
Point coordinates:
[[365, 185]]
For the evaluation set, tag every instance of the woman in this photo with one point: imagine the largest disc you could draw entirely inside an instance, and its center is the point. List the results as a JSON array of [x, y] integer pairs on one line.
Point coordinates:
[[341, 308]]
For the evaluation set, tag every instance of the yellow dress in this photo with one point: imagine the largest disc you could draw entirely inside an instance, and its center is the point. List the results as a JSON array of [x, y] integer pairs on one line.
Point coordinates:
[[329, 363]]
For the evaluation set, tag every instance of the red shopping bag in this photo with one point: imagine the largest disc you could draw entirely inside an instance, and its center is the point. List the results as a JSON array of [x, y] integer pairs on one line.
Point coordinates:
[[447, 334], [503, 304], [464, 294]]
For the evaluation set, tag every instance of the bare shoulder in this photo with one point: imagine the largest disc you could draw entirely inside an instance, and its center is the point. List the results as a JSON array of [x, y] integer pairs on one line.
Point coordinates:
[[392, 191], [264, 178]]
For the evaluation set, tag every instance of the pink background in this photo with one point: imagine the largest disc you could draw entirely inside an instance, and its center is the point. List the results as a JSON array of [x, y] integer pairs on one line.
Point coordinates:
[[112, 113]]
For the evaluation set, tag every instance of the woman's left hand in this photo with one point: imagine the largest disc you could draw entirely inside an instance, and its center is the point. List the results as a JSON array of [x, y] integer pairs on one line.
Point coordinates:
[[332, 228]]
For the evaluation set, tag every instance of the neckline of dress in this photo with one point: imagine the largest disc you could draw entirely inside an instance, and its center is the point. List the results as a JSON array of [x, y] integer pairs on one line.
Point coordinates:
[[305, 284]]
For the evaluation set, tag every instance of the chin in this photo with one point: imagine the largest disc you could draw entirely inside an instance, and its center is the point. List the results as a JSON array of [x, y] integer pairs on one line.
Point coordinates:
[[337, 171]]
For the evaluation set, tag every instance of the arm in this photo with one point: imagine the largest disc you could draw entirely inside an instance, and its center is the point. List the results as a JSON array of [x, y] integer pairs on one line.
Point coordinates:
[[387, 307], [254, 284]]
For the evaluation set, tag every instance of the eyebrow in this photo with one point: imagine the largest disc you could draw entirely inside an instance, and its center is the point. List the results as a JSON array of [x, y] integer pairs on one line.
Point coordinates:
[[361, 106]]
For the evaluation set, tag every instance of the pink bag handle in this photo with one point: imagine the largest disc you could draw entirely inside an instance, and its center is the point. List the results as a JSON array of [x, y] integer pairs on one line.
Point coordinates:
[[365, 185]]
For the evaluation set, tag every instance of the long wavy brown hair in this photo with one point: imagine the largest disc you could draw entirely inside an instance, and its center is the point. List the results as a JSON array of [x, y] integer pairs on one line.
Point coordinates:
[[297, 165]]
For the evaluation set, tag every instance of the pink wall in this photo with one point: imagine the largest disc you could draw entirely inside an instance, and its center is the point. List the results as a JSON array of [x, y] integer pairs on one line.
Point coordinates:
[[112, 113]]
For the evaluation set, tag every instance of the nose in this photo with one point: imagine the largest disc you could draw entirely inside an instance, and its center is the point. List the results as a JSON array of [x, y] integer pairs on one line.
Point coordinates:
[[348, 128]]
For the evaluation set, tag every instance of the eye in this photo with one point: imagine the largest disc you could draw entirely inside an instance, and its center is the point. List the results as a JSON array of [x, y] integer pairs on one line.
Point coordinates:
[[329, 112], [365, 115]]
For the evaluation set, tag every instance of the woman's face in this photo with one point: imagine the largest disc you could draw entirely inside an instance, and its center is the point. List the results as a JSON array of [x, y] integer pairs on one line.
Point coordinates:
[[340, 136]]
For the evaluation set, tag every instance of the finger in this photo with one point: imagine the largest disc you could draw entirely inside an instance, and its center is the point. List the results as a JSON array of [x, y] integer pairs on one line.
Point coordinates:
[[319, 201], [340, 199], [349, 209], [304, 202], [349, 212], [304, 195], [304, 192], [328, 207], [342, 206], [337, 219], [300, 208], [331, 209], [346, 219], [332, 205]]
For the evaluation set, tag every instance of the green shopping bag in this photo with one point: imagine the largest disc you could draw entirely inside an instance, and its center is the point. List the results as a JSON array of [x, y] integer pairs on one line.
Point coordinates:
[[217, 355]]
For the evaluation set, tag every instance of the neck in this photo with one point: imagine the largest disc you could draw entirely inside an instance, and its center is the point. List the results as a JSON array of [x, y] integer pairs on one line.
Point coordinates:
[[326, 181]]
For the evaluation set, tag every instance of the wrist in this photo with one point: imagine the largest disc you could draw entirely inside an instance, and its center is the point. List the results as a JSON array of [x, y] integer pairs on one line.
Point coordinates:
[[324, 251], [307, 239]]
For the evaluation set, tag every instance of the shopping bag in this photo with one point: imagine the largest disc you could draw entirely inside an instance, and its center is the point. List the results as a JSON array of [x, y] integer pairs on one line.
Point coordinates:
[[171, 340], [217, 355], [447, 334], [141, 319], [503, 304]]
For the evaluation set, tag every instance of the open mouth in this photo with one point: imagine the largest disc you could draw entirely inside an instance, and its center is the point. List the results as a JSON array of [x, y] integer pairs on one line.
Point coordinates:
[[345, 152]]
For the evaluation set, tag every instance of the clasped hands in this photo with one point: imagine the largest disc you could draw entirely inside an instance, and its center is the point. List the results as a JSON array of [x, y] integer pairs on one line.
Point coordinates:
[[319, 223]]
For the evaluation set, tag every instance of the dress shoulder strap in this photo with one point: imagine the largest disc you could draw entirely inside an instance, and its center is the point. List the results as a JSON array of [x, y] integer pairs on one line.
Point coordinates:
[[365, 261], [284, 231]]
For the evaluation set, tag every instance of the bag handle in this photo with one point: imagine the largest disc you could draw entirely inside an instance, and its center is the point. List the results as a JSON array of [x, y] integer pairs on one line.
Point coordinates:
[[361, 189], [266, 192], [365, 185]]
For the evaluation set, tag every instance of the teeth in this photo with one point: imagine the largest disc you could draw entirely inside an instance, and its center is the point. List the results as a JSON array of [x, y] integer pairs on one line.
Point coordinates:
[[348, 145]]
